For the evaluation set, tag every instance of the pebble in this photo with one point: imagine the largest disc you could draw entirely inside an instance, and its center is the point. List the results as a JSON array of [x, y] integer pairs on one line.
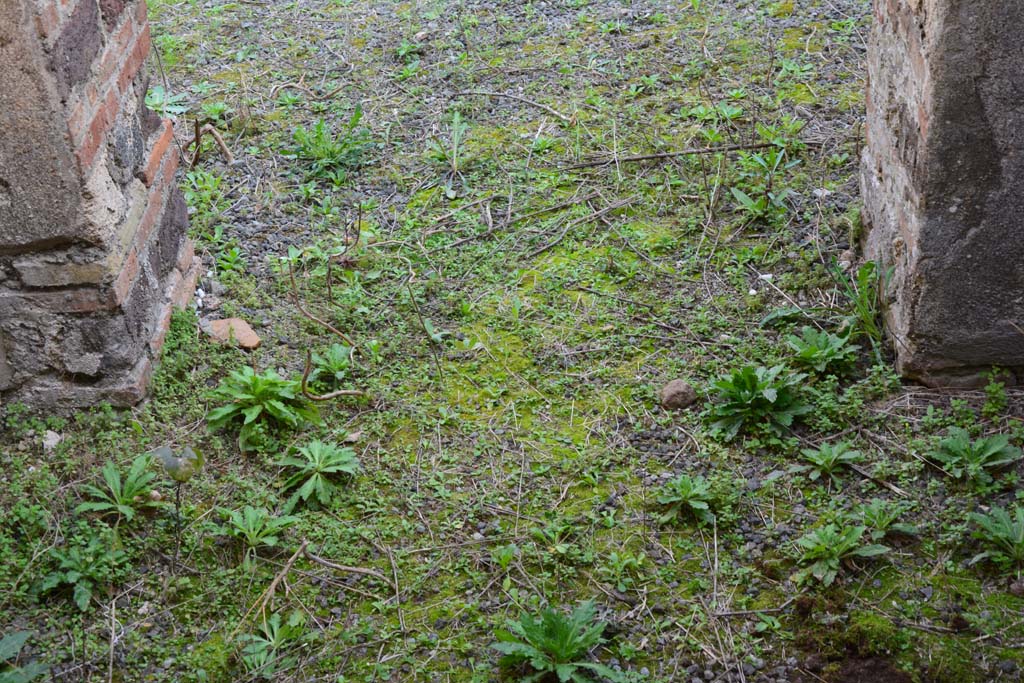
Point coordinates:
[[223, 330], [678, 394], [51, 440]]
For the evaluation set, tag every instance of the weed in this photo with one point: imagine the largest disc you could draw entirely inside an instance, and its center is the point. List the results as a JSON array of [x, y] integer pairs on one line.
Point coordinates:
[[827, 460], [10, 647], [821, 350], [332, 367], [1002, 532], [259, 401], [557, 538], [995, 397], [881, 517], [255, 527], [768, 203], [91, 559], [325, 153], [267, 653], [756, 395], [218, 111], [451, 154], [972, 460], [555, 645], [687, 495], [863, 293], [165, 104], [318, 469], [622, 569], [230, 260], [824, 548], [121, 496]]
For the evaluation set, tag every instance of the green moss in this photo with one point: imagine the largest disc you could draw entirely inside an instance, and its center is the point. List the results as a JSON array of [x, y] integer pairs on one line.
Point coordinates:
[[870, 634]]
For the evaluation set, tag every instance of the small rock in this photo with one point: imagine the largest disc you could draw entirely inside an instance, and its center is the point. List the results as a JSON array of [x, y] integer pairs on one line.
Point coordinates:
[[677, 395], [1008, 666], [51, 440], [846, 260], [232, 328], [1017, 589]]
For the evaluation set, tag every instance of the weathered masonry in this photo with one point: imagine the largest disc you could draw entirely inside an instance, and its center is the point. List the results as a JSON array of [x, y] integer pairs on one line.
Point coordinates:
[[93, 253], [943, 183]]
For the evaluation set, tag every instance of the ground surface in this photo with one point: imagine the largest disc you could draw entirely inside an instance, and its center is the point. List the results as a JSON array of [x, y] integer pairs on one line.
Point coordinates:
[[515, 318]]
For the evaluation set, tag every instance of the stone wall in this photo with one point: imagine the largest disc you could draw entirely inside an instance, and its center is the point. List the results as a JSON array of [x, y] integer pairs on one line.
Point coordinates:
[[93, 253], [943, 183]]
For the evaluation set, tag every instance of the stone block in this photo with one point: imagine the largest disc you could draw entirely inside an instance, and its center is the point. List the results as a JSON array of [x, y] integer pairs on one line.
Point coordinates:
[[39, 188], [943, 184]]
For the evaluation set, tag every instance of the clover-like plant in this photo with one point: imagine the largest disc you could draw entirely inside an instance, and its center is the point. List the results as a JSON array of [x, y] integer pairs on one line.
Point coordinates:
[[255, 527], [1002, 534], [317, 473], [973, 460], [756, 395], [686, 495], [257, 401], [821, 350], [121, 495], [827, 460], [555, 646], [824, 548]]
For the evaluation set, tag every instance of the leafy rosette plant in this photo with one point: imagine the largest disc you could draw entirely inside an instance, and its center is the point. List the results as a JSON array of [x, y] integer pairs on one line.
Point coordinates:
[[555, 646], [256, 401], [756, 395]]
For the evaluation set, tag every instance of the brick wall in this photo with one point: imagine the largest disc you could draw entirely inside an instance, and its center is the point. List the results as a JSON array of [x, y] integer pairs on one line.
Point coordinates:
[[87, 280]]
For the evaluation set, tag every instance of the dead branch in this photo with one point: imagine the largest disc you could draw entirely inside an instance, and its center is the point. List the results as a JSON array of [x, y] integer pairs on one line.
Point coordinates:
[[310, 316], [666, 155], [342, 567], [329, 395], [579, 221], [197, 139]]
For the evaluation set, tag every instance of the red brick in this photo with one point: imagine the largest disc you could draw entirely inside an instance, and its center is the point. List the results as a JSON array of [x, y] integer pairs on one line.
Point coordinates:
[[186, 256], [143, 231], [92, 95], [48, 21], [90, 144], [111, 108], [115, 54], [163, 320], [72, 300], [134, 62], [129, 271], [141, 12], [77, 121], [156, 155], [187, 287]]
